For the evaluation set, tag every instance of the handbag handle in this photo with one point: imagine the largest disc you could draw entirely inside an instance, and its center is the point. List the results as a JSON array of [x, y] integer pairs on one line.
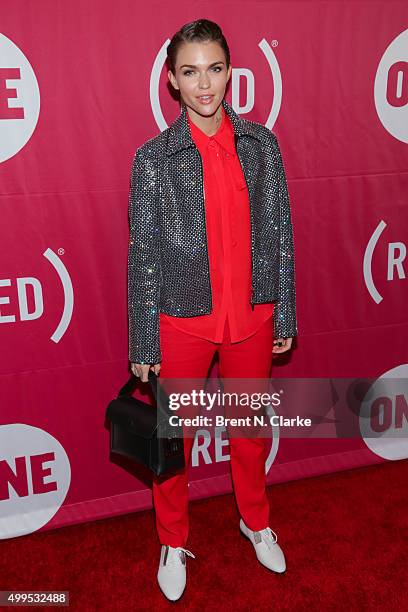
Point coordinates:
[[130, 386]]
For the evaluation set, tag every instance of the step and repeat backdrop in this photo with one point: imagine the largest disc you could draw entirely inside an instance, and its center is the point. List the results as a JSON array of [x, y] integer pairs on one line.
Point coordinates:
[[82, 85]]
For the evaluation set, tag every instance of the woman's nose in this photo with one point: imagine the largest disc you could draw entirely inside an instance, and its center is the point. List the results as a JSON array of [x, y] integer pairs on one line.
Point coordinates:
[[204, 82]]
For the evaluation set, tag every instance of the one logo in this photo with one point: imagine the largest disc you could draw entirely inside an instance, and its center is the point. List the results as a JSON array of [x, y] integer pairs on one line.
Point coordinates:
[[391, 88], [35, 475], [384, 415], [19, 99], [22, 284], [238, 76], [396, 255]]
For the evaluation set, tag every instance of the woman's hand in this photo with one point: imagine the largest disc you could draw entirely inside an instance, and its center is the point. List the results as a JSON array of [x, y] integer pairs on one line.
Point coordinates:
[[285, 346], [142, 370]]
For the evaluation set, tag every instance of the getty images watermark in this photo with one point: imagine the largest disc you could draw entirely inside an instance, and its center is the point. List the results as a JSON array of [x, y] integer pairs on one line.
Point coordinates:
[[298, 407], [241, 402]]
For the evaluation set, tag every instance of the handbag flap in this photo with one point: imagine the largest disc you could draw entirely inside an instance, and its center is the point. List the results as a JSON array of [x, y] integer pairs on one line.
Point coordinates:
[[139, 417]]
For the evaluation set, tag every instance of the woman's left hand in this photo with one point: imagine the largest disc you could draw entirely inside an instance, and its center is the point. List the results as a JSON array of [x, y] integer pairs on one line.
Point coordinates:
[[286, 343]]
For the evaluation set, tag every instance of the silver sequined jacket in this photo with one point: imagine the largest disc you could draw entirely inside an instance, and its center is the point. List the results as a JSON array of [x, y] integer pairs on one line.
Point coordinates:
[[168, 266]]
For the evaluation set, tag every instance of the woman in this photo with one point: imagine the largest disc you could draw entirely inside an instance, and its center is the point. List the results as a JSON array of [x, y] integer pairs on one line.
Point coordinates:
[[211, 270]]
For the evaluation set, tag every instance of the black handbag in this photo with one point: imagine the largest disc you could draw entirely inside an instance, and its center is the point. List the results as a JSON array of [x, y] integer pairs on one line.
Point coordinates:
[[142, 432]]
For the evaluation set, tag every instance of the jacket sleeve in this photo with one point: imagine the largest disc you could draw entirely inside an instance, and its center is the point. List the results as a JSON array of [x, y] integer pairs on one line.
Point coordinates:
[[284, 314], [144, 262]]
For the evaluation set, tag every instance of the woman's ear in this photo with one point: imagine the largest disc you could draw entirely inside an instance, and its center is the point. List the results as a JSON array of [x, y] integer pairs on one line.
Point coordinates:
[[172, 79], [229, 72]]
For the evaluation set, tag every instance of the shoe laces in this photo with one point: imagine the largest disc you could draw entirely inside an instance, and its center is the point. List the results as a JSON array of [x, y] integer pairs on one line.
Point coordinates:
[[177, 552], [270, 536]]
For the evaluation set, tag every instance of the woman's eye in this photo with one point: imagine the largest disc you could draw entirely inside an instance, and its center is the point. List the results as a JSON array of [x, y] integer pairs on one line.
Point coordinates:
[[215, 68]]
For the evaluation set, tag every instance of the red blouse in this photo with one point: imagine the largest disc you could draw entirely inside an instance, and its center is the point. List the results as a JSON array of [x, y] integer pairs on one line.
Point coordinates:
[[229, 242]]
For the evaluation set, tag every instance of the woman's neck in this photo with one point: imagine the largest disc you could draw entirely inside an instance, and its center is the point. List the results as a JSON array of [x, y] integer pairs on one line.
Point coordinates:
[[209, 125]]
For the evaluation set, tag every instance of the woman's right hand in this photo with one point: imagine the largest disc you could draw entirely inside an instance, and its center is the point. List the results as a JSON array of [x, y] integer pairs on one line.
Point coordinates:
[[142, 370]]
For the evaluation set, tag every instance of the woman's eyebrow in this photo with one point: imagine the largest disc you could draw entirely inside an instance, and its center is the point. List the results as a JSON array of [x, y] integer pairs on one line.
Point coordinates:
[[192, 65]]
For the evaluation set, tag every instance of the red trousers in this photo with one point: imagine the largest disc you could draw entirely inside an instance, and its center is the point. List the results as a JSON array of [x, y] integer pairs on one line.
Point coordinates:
[[188, 356]]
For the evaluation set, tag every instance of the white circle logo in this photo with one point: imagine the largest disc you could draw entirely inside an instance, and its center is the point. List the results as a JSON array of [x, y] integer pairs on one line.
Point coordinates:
[[391, 88], [20, 97], [34, 478], [384, 415]]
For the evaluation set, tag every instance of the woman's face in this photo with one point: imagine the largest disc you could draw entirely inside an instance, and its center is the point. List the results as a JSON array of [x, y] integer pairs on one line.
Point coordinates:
[[201, 75]]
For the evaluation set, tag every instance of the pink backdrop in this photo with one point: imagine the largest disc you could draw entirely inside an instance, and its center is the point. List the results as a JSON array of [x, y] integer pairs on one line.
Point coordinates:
[[82, 84]]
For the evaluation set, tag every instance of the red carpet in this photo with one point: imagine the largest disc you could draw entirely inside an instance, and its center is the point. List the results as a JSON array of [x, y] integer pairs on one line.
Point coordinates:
[[345, 537]]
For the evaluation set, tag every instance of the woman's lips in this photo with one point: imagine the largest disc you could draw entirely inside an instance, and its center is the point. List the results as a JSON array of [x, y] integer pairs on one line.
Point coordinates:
[[205, 99]]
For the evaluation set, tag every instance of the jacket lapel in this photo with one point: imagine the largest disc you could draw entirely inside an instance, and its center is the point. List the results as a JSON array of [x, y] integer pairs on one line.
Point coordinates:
[[179, 138]]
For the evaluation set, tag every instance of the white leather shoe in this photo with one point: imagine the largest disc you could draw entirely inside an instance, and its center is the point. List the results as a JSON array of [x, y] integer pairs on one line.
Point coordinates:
[[171, 574], [267, 549]]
